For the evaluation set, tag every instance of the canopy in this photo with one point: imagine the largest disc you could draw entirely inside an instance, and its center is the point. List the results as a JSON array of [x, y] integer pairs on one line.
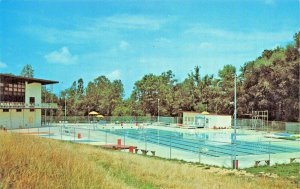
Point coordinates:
[[100, 116], [93, 113], [205, 113]]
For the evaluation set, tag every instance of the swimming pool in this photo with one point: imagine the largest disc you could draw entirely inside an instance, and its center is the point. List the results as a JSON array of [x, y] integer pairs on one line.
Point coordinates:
[[214, 144]]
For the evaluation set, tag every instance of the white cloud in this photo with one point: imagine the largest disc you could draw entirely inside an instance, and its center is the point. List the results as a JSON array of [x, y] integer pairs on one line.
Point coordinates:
[[124, 45], [89, 30], [62, 56], [133, 22], [2, 65], [116, 74]]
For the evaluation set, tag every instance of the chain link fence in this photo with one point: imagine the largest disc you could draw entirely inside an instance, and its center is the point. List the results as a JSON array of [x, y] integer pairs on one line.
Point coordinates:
[[210, 147], [111, 119]]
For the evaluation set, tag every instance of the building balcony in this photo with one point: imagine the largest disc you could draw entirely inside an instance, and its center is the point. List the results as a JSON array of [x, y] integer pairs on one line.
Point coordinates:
[[22, 105]]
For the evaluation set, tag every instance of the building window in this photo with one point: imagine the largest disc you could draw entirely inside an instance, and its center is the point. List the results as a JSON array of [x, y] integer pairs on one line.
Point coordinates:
[[12, 90], [32, 110], [19, 110], [5, 110], [32, 100]]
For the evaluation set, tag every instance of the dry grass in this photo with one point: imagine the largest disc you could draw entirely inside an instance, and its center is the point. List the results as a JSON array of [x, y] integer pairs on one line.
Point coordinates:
[[32, 162]]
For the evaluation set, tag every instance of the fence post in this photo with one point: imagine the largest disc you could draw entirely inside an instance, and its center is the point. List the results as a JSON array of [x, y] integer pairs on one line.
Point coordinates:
[[124, 139], [231, 157], [170, 147], [269, 153], [49, 132], [106, 136], [145, 140], [74, 134], [199, 146]]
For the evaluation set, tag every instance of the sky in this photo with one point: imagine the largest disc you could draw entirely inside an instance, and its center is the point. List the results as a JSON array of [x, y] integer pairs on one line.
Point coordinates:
[[67, 40]]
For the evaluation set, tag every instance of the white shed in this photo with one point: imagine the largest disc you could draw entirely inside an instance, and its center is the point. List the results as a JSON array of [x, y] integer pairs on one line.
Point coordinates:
[[213, 121]]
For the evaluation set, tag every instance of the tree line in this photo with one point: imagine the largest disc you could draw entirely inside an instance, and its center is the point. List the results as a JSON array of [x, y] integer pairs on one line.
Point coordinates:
[[270, 82]]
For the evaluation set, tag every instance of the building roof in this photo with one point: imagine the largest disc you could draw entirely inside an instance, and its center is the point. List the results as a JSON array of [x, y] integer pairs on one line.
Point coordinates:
[[210, 114], [29, 80]]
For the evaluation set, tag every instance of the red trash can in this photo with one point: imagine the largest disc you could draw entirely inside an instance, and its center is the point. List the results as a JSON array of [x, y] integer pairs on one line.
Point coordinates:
[[119, 141], [79, 136], [131, 148], [235, 164]]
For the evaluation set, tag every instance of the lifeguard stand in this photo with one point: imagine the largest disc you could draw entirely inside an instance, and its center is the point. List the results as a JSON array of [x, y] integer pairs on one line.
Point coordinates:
[[259, 119]]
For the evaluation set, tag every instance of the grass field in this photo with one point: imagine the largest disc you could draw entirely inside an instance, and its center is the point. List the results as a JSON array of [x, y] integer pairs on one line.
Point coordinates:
[[33, 162], [288, 171]]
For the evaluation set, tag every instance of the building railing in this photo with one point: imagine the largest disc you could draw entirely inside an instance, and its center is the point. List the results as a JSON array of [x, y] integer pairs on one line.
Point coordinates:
[[28, 105], [49, 106]]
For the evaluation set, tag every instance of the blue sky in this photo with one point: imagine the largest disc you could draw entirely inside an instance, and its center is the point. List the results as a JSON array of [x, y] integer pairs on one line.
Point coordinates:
[[68, 40]]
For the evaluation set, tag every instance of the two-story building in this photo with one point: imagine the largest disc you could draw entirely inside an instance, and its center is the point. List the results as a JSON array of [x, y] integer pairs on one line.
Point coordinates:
[[21, 101]]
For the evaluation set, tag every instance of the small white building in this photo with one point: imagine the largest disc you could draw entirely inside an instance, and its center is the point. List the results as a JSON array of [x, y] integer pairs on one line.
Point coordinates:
[[205, 120], [21, 101]]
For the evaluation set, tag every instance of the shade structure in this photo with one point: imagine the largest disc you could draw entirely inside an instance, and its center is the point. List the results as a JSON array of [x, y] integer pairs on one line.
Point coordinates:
[[205, 113], [100, 116], [93, 113]]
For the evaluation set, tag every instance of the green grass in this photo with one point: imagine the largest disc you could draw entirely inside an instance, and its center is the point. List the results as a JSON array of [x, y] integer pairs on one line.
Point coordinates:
[[287, 171]]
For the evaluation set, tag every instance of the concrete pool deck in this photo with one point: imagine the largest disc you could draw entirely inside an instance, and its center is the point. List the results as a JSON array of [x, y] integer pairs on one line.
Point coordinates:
[[89, 134]]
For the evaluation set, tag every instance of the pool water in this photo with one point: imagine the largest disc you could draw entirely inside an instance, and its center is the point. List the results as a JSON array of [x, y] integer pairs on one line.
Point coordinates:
[[208, 144]]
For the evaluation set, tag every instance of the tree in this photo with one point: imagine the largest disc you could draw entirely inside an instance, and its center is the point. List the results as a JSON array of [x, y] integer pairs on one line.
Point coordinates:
[[267, 54], [80, 88], [272, 86], [225, 87], [103, 95], [297, 39], [152, 87], [291, 53], [27, 71]]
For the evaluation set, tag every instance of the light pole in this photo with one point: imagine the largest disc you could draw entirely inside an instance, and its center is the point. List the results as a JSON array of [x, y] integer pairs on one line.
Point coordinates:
[[158, 110], [234, 139], [88, 114]]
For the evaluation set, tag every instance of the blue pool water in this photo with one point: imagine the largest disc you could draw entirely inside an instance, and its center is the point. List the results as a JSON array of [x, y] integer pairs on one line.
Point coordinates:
[[208, 144]]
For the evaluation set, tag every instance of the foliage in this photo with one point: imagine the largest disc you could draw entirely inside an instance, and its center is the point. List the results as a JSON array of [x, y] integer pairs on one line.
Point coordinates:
[[27, 71], [100, 95]]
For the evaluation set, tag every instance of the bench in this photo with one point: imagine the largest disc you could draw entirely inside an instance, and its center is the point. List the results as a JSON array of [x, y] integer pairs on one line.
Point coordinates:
[[116, 148], [144, 152], [153, 153], [258, 162], [293, 159]]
